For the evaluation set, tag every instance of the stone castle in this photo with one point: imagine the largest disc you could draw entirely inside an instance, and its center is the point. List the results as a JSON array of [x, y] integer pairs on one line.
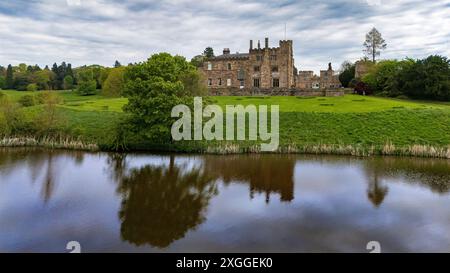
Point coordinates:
[[264, 70]]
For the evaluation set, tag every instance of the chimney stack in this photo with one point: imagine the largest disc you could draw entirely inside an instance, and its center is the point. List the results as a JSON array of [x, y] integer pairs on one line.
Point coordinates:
[[259, 45], [251, 44], [226, 51], [267, 43]]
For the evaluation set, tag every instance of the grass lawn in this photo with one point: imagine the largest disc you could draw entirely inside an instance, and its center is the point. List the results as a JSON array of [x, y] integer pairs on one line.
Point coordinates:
[[347, 120], [344, 104]]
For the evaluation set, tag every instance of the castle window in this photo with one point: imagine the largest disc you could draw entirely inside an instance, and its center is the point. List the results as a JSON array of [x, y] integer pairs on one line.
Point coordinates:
[[274, 68], [228, 82], [259, 58], [219, 81], [209, 66], [273, 57], [209, 82], [257, 68], [229, 66], [275, 82], [241, 83], [256, 82]]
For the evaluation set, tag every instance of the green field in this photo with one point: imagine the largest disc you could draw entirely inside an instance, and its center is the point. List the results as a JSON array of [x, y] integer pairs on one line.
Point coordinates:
[[304, 121]]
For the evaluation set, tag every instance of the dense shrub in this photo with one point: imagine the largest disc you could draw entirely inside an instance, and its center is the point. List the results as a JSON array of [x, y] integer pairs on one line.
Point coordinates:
[[427, 79], [87, 85], [27, 100], [381, 74], [113, 85], [423, 79], [45, 96], [353, 83], [4, 129], [2, 82], [362, 88], [49, 122], [68, 82], [12, 118], [32, 87], [347, 74]]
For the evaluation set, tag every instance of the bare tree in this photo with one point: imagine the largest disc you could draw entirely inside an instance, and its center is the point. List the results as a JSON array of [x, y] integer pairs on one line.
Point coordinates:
[[374, 44]]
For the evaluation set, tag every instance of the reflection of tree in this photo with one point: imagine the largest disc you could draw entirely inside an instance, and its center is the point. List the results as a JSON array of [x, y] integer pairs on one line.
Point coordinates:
[[376, 192], [48, 180], [160, 204], [264, 173], [117, 166], [41, 163], [431, 173]]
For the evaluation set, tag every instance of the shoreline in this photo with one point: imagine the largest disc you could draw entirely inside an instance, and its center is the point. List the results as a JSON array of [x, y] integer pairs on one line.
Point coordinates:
[[388, 149]]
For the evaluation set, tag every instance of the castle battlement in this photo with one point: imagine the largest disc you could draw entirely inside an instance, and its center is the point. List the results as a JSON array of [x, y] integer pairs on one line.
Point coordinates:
[[263, 67]]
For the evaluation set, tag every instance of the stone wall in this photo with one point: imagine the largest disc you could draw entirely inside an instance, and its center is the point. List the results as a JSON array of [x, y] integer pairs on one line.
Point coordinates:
[[328, 79], [263, 63], [362, 68], [277, 92]]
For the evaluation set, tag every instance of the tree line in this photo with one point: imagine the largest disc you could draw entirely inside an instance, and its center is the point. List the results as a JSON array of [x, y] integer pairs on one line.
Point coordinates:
[[84, 79], [427, 78]]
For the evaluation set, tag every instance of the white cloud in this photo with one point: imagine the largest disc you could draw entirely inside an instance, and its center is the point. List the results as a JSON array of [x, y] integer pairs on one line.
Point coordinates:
[[100, 31]]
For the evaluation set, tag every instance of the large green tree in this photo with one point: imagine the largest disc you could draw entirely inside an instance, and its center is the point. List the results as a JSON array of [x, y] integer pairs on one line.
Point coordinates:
[[381, 74], [113, 85], [426, 79], [198, 60], [208, 52], [44, 79], [86, 82], [2, 82], [68, 82], [55, 84], [347, 73], [9, 81], [153, 88]]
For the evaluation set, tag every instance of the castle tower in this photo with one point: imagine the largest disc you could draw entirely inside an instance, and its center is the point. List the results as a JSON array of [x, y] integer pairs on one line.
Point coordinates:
[[287, 64]]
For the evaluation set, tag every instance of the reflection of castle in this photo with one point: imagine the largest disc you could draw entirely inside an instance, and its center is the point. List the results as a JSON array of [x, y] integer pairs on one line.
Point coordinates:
[[265, 174], [160, 204]]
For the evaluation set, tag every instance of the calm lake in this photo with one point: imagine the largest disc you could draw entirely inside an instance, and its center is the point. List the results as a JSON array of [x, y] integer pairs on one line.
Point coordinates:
[[208, 203]]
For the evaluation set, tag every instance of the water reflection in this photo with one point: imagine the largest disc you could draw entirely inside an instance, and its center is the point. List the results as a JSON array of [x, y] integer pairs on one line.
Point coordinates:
[[161, 199], [268, 175], [45, 166], [160, 204], [433, 174]]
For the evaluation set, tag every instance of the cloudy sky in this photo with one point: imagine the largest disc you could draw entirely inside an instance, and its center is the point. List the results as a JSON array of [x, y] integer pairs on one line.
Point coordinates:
[[101, 31]]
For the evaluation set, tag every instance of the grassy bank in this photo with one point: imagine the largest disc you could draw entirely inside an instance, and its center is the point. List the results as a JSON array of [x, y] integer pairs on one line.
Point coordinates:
[[333, 125], [51, 143]]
